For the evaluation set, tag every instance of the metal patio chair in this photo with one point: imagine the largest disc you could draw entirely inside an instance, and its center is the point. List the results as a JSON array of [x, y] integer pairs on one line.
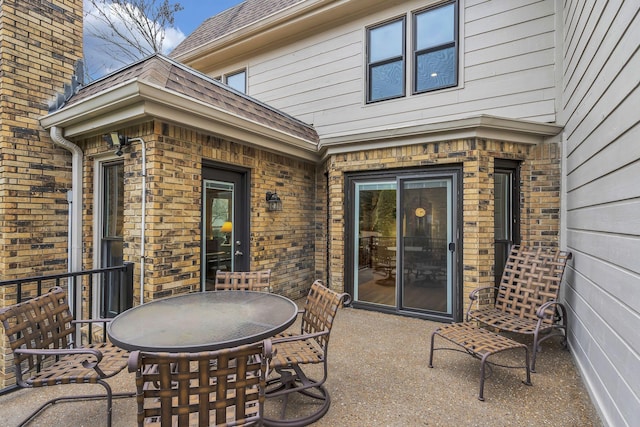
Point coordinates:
[[243, 280], [292, 351], [526, 301], [41, 332], [222, 388]]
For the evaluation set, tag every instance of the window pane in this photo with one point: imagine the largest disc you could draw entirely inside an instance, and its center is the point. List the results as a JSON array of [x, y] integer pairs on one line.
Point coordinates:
[[436, 69], [502, 219], [238, 81], [385, 42], [113, 200], [435, 27], [387, 80]]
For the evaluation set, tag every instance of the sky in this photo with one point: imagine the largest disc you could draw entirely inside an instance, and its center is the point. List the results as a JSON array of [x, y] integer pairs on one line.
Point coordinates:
[[194, 12]]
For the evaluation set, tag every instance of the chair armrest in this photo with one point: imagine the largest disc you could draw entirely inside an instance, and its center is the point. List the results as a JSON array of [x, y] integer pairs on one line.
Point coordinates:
[[134, 361], [473, 297], [540, 312], [67, 352], [301, 337], [62, 351], [91, 321], [474, 293]]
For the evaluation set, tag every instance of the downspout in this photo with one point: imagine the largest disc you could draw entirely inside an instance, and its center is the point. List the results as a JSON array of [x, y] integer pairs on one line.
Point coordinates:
[[143, 214], [75, 200]]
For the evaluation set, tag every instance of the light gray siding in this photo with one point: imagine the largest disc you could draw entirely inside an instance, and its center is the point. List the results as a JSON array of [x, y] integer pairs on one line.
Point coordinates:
[[507, 69], [601, 103]]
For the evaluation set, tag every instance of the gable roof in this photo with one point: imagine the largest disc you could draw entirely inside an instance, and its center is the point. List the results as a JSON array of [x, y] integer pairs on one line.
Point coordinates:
[[239, 16], [167, 78]]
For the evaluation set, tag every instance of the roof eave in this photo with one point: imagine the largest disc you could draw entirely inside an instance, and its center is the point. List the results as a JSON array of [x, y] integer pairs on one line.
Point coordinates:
[[480, 126], [283, 18], [134, 101]]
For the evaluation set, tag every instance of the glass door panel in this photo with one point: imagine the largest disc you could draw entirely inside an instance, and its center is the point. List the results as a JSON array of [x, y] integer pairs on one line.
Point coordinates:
[[218, 229], [402, 241], [426, 233], [375, 257]]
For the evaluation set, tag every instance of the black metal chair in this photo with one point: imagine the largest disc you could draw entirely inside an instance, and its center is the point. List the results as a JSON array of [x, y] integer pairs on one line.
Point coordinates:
[[292, 351], [41, 332]]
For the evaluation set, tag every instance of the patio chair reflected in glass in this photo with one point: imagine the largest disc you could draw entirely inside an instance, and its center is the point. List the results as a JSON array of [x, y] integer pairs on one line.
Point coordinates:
[[243, 280], [41, 333], [293, 351], [213, 388]]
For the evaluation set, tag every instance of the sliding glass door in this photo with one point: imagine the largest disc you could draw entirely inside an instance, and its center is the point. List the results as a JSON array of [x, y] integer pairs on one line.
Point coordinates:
[[403, 240]]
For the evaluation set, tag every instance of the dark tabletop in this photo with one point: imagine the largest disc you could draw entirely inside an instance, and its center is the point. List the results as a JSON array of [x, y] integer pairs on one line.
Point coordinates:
[[202, 321]]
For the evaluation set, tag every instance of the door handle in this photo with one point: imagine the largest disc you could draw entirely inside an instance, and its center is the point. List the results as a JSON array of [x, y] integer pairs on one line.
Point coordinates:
[[238, 253]]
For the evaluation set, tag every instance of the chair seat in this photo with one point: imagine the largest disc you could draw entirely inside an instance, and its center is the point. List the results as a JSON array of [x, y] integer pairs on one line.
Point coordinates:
[[507, 321], [296, 352], [479, 343], [70, 369]]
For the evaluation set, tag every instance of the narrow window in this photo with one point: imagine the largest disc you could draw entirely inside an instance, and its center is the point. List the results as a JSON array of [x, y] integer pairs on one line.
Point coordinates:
[[385, 61], [435, 60], [237, 80]]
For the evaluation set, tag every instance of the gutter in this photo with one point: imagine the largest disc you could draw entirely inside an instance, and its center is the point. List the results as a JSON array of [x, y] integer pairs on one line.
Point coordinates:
[[75, 200]]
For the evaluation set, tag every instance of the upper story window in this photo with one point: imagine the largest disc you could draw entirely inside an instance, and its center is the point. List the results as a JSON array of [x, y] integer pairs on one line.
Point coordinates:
[[386, 62], [237, 80], [435, 53]]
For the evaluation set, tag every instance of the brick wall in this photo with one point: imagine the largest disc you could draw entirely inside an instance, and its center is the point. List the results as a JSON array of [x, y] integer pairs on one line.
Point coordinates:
[[40, 43], [282, 241], [540, 175]]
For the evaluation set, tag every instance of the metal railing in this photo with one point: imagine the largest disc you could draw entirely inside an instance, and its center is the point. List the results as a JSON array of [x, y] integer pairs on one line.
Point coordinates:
[[80, 286]]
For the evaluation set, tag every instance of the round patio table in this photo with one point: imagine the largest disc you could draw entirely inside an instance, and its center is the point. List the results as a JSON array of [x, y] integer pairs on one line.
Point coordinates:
[[202, 321]]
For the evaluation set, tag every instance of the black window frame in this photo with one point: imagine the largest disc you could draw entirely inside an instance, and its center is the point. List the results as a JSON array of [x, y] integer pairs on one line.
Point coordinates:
[[402, 57], [418, 52]]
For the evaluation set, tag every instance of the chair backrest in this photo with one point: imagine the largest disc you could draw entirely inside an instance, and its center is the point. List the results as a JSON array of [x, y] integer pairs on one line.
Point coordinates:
[[531, 278], [201, 389], [42, 322], [320, 310], [243, 280]]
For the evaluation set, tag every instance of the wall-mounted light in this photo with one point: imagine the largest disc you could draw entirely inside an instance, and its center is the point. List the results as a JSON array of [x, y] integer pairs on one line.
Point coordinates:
[[114, 139], [273, 202]]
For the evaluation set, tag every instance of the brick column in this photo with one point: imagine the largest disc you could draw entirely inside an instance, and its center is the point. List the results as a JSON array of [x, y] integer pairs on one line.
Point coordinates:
[[40, 43]]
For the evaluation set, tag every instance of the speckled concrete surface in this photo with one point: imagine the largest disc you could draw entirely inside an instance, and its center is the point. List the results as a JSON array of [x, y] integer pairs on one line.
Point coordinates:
[[379, 377]]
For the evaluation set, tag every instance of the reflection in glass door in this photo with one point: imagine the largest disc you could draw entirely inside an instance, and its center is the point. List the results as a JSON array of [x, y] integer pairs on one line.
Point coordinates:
[[403, 243], [426, 234], [375, 274]]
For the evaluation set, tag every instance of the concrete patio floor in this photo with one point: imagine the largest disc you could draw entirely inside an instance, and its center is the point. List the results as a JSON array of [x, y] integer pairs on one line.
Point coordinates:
[[378, 376]]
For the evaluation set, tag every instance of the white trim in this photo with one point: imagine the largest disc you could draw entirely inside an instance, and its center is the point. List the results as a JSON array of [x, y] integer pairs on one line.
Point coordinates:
[[136, 101]]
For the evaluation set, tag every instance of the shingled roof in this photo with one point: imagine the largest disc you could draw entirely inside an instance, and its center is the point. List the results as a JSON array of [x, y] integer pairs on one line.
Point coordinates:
[[241, 15], [165, 73]]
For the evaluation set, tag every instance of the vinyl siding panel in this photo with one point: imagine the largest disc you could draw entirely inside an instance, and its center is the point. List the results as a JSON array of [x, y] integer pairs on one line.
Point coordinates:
[[507, 69], [602, 183]]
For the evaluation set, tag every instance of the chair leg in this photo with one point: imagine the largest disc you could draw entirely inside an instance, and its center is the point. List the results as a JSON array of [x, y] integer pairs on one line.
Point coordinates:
[[109, 396], [433, 335], [297, 382]]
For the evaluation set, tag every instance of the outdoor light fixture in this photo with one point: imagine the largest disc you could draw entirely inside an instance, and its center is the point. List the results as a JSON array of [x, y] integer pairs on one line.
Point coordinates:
[[274, 202], [114, 139]]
